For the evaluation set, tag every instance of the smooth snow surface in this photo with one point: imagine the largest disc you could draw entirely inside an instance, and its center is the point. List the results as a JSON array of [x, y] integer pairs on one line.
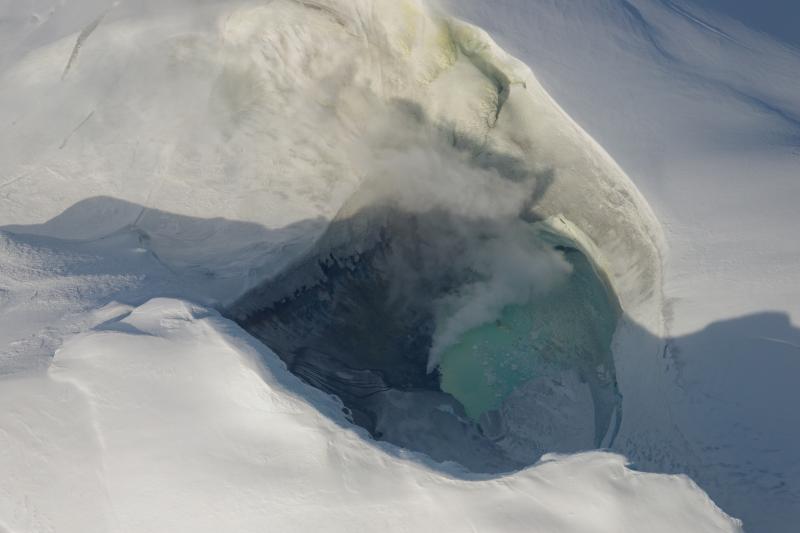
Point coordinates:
[[156, 153], [168, 417]]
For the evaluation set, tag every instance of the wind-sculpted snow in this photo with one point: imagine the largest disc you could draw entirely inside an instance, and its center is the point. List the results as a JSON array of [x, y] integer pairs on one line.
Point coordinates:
[[375, 190], [167, 417]]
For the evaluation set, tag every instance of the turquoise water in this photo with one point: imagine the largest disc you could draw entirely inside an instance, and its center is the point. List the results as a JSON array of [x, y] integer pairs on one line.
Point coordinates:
[[568, 329]]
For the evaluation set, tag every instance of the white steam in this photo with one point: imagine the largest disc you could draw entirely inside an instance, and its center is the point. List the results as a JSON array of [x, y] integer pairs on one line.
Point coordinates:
[[514, 268], [472, 220]]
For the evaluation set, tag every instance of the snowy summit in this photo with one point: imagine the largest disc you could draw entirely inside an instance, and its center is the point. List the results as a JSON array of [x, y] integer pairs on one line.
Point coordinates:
[[399, 265]]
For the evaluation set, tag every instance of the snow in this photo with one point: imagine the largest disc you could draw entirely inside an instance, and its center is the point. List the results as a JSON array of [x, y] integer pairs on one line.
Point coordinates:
[[167, 417], [183, 152], [702, 113]]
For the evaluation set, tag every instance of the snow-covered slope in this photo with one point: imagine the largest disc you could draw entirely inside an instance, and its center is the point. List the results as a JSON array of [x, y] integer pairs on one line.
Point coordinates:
[[702, 113], [168, 417], [193, 149]]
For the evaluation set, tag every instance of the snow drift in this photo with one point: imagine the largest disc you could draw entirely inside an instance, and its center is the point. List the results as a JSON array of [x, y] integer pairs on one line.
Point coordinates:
[[211, 151]]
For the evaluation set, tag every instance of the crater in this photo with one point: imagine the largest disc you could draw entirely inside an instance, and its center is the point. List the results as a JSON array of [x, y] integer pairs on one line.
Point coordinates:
[[483, 342]]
